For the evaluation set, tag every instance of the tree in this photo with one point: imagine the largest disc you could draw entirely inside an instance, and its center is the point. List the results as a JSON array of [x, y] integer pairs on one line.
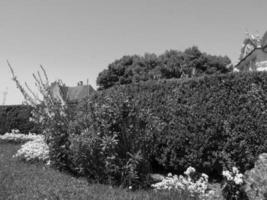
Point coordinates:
[[171, 64]]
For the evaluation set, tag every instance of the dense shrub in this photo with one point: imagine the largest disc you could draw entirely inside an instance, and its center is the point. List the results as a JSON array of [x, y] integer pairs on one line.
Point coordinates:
[[209, 122], [16, 117], [104, 154]]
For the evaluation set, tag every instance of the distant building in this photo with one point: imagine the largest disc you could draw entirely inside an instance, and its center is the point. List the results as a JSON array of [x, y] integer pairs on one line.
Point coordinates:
[[254, 56], [71, 94]]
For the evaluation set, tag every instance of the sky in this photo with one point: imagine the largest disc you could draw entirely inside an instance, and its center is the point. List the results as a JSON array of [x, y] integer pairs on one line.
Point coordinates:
[[76, 39]]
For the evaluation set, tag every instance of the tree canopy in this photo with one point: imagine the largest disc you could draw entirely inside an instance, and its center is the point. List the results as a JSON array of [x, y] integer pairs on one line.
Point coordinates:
[[171, 64]]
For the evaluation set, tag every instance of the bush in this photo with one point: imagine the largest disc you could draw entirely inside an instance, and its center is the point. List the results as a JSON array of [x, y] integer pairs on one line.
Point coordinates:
[[16, 117], [108, 156], [209, 122]]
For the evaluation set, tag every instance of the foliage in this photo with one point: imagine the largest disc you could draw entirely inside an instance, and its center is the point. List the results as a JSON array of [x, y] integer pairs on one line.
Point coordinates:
[[171, 64], [209, 122], [233, 188], [16, 117], [110, 156]]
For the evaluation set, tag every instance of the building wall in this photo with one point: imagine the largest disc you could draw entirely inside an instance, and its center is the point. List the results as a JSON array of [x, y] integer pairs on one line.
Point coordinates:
[[261, 56], [256, 61]]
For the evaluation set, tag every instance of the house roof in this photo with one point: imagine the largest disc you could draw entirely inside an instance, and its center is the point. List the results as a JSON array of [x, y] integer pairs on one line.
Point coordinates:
[[79, 92], [71, 94]]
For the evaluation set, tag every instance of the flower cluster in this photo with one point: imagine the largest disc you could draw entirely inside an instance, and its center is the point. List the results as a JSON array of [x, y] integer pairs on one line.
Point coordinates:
[[35, 147], [16, 136], [233, 185], [234, 176], [34, 150], [187, 182]]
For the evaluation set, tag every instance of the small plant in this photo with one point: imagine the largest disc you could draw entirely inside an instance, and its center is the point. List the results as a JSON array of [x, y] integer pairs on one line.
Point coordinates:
[[233, 187]]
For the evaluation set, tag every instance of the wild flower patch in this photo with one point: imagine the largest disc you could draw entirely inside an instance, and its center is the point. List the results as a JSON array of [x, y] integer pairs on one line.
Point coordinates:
[[35, 150], [17, 137], [196, 184]]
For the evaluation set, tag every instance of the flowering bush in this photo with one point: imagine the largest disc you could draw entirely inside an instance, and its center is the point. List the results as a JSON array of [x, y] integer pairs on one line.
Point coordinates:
[[35, 150], [51, 115], [17, 137], [233, 185], [195, 184]]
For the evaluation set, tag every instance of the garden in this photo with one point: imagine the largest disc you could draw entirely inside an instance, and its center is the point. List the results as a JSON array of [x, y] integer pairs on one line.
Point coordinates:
[[196, 137]]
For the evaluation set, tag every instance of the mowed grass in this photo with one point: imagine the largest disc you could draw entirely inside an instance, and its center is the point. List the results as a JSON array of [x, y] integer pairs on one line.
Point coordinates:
[[24, 181]]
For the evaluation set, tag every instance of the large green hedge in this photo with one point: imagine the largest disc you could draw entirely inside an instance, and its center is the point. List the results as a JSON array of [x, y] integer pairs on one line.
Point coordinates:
[[16, 117], [208, 123]]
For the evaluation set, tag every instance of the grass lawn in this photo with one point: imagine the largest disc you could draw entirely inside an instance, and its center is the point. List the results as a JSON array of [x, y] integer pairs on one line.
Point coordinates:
[[24, 181]]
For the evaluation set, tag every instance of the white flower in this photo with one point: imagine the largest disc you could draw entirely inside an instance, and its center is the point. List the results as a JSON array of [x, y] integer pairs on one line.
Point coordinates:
[[48, 162], [18, 137], [235, 170], [228, 175], [189, 171], [239, 179], [205, 176], [235, 176]]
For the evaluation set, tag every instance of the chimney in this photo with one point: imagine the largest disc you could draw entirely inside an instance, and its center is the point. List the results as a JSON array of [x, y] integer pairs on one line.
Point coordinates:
[[80, 83]]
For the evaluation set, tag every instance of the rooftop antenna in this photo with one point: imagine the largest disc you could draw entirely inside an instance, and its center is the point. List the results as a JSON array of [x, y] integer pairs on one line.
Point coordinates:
[[4, 96]]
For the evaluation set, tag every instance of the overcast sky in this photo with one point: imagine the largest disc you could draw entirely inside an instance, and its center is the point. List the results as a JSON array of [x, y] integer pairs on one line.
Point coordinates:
[[77, 39]]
